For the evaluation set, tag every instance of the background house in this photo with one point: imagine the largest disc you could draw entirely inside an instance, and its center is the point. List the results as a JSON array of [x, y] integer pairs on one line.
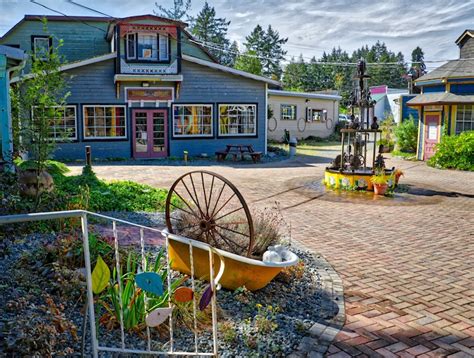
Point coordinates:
[[142, 88], [303, 114], [446, 102], [387, 102]]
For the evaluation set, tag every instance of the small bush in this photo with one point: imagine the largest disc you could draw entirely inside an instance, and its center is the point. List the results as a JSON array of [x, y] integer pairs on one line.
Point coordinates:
[[52, 167], [407, 135], [456, 152], [387, 127]]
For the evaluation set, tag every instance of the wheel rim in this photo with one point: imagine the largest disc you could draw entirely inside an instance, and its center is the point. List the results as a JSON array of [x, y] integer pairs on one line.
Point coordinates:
[[205, 206]]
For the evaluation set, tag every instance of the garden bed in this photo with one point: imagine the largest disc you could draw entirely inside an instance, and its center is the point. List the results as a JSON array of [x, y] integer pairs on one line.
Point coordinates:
[[43, 298]]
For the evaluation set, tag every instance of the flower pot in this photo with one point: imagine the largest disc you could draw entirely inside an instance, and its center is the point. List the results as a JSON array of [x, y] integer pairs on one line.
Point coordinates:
[[239, 270], [380, 189]]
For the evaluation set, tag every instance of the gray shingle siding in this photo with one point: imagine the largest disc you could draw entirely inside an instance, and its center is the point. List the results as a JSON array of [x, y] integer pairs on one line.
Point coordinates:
[[467, 49]]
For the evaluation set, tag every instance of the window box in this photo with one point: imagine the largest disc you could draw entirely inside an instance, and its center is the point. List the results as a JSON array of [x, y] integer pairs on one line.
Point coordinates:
[[104, 122], [192, 120], [237, 120]]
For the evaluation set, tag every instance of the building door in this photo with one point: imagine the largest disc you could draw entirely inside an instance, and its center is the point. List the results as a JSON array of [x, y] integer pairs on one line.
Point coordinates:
[[149, 133], [432, 128]]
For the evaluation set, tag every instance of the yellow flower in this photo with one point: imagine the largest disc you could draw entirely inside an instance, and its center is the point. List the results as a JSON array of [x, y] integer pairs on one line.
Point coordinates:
[[258, 305]]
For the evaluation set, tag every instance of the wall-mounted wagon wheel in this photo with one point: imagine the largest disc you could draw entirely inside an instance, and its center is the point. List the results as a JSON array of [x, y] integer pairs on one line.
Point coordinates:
[[207, 207]]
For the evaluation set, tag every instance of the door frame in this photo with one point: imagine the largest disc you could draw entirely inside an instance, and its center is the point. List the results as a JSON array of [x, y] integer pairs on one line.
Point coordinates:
[[426, 129], [150, 110]]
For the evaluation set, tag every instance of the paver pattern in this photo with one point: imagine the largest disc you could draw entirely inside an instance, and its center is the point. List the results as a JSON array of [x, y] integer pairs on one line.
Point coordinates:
[[408, 271]]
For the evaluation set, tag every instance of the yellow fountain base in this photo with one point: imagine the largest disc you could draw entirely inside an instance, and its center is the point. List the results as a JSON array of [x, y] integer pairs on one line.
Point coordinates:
[[356, 180]]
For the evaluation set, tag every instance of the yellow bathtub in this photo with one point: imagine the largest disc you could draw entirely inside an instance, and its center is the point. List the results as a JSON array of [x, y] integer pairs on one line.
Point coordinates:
[[238, 270]]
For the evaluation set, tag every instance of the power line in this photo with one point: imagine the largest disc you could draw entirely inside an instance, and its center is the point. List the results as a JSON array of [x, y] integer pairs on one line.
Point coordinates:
[[70, 17]]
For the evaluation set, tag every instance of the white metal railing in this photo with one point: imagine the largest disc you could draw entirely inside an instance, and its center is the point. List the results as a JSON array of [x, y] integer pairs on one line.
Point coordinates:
[[95, 343]]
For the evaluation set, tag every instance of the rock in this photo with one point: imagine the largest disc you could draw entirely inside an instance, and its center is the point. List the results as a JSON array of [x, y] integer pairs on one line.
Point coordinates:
[[271, 256]]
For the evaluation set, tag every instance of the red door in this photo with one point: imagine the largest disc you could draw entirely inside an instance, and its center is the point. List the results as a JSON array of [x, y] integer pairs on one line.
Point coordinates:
[[432, 127], [149, 133]]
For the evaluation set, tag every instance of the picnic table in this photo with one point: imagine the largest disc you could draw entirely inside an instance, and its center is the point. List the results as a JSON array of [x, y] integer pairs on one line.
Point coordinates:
[[237, 150]]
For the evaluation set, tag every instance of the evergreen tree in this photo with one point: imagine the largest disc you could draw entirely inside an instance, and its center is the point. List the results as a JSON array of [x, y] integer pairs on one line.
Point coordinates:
[[268, 47], [212, 30], [231, 55], [418, 67], [295, 75], [176, 12], [248, 62]]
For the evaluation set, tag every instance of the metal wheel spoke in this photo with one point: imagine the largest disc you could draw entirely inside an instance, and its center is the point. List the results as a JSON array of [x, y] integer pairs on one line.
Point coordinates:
[[231, 243], [204, 191], [234, 231], [195, 193], [217, 200], [210, 192], [186, 202], [189, 212], [231, 212], [222, 207], [196, 201]]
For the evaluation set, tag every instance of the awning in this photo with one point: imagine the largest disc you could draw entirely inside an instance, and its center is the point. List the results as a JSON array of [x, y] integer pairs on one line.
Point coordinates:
[[440, 99]]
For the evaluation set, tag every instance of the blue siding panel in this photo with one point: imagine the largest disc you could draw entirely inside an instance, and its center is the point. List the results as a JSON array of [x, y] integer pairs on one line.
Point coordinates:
[[463, 89], [406, 110], [205, 85], [431, 89]]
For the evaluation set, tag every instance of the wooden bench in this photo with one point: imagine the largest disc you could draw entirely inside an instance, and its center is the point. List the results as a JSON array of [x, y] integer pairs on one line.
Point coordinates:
[[221, 155], [256, 156]]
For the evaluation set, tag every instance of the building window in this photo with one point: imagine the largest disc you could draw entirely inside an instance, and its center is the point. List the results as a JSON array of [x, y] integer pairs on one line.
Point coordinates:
[[464, 118], [237, 119], [104, 122], [288, 112], [317, 115], [41, 46], [147, 47], [192, 120], [63, 121], [131, 40]]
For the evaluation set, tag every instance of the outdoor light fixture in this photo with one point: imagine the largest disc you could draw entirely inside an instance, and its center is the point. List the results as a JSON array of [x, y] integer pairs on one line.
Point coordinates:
[[145, 84]]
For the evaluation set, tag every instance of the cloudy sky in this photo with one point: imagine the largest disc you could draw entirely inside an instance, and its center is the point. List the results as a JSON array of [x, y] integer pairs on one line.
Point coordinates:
[[312, 26]]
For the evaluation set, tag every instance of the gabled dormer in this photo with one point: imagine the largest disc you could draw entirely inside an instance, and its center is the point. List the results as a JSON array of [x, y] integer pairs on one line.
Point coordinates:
[[147, 45]]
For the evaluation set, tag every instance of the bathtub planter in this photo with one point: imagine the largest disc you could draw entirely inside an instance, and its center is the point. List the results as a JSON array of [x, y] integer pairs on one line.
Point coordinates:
[[239, 270]]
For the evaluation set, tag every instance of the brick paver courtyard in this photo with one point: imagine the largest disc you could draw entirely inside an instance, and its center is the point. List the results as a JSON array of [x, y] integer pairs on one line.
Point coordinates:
[[408, 270]]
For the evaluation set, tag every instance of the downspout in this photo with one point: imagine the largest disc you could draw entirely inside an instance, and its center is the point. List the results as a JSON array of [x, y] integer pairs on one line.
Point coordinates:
[[266, 119], [7, 148]]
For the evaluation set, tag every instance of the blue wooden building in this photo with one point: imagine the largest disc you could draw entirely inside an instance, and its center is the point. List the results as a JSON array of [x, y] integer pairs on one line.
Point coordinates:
[[446, 102], [141, 87]]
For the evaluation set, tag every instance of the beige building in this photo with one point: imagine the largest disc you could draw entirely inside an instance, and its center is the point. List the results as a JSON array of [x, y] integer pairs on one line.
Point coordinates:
[[303, 114]]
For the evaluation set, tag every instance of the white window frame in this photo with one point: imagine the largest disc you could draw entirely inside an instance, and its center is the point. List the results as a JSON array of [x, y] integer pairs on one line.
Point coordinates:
[[104, 106], [285, 117], [192, 135], [237, 134], [62, 139], [464, 118], [129, 57], [41, 38], [156, 41], [167, 38]]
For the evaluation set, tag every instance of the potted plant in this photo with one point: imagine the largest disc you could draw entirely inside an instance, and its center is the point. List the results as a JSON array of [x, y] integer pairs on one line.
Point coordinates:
[[380, 183], [397, 174]]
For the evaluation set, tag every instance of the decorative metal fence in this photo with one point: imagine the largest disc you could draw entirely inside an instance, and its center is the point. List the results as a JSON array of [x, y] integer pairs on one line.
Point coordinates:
[[95, 343]]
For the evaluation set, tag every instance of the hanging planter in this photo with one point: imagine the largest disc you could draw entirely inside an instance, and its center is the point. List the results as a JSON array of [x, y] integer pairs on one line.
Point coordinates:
[[212, 211]]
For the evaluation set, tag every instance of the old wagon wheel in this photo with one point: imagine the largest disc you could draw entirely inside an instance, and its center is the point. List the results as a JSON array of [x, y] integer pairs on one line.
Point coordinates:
[[207, 207]]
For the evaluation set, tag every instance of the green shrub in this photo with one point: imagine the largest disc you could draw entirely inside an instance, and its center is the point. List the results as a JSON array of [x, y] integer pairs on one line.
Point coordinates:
[[387, 127], [53, 167], [407, 135], [114, 195], [455, 152]]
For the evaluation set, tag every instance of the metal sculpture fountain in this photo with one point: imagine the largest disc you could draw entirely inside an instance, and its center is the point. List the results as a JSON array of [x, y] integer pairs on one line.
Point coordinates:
[[351, 168]]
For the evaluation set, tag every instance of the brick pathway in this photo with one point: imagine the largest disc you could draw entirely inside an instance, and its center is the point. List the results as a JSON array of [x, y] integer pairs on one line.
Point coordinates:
[[408, 271]]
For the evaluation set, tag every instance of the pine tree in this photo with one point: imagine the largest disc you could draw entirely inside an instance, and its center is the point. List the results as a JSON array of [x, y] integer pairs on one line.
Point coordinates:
[[248, 62], [418, 67], [231, 55], [176, 12], [268, 47], [212, 30]]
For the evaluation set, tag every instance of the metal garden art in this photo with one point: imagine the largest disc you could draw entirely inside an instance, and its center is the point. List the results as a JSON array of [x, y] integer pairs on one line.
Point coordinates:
[[357, 168], [214, 212]]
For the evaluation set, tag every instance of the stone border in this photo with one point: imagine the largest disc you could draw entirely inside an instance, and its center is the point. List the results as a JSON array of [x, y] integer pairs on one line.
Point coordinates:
[[323, 332]]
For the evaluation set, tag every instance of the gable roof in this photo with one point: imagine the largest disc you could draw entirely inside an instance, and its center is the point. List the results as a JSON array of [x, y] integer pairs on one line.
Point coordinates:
[[463, 35], [451, 69], [57, 18], [332, 97], [151, 17], [230, 70]]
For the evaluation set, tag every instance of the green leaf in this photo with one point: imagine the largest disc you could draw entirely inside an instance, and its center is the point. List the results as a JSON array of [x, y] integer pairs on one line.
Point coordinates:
[[100, 276]]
